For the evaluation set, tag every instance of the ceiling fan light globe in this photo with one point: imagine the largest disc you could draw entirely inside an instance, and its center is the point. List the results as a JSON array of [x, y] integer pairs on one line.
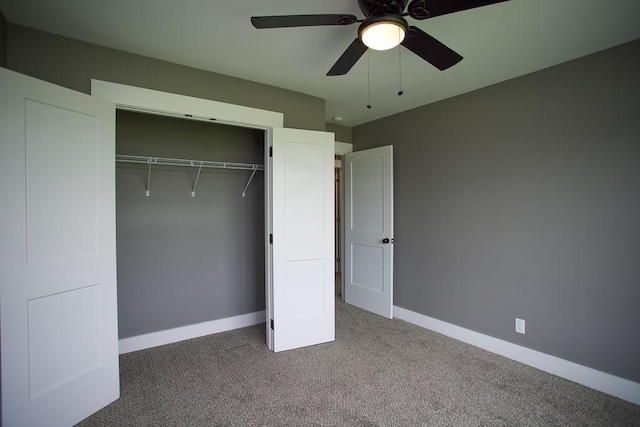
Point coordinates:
[[382, 35]]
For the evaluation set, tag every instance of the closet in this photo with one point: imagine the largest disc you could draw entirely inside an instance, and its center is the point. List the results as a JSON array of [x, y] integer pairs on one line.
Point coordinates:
[[192, 250]]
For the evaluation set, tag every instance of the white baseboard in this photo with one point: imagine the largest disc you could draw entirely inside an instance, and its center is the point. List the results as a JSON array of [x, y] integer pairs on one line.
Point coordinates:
[[601, 381], [154, 339]]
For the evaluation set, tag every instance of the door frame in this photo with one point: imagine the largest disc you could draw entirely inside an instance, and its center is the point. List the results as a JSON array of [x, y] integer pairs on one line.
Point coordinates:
[[342, 148], [148, 101]]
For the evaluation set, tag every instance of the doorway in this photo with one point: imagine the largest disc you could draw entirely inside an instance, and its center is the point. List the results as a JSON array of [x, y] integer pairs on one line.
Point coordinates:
[[189, 240], [299, 167], [134, 99]]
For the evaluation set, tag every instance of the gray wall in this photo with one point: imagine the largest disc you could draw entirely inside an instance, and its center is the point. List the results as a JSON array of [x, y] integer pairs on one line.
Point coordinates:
[[523, 200], [73, 64], [343, 133], [181, 259], [3, 40]]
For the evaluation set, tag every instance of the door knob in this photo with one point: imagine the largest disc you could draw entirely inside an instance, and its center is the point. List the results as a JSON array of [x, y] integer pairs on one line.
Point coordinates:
[[385, 240]]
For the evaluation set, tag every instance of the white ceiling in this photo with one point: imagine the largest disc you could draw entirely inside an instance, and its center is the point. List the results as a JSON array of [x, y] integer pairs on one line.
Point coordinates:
[[498, 42]]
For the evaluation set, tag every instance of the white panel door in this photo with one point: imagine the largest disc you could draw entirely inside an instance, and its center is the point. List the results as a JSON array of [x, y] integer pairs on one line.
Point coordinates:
[[368, 237], [303, 274], [57, 240]]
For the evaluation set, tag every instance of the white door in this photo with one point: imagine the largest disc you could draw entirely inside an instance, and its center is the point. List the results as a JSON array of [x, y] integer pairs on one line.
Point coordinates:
[[368, 232], [57, 244], [301, 295]]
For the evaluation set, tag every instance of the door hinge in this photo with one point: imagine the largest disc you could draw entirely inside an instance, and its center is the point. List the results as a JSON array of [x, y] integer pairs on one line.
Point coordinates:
[[271, 323], [270, 151], [271, 238]]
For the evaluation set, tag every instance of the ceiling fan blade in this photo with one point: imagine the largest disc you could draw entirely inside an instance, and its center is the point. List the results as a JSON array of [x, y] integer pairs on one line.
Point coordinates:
[[348, 59], [301, 20], [443, 7], [430, 49]]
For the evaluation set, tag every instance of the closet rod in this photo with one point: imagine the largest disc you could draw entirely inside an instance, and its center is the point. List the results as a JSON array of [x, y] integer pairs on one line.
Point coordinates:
[[125, 158]]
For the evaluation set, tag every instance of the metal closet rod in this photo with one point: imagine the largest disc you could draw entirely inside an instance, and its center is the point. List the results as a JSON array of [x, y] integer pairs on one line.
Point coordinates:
[[125, 158]]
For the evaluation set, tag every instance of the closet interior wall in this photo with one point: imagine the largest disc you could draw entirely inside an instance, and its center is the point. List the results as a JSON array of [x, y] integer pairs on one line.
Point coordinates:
[[184, 260]]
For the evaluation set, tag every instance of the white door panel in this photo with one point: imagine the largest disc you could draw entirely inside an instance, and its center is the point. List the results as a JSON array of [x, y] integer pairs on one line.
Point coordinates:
[[57, 270], [302, 290], [368, 222]]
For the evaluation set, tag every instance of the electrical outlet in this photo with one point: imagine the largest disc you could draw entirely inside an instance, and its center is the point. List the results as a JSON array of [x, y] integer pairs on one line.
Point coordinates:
[[520, 326]]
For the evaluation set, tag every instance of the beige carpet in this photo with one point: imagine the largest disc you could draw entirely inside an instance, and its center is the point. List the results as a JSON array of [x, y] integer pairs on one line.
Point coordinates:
[[378, 372]]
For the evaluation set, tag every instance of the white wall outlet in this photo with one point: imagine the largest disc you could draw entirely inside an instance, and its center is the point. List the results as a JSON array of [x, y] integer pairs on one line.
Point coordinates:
[[520, 326]]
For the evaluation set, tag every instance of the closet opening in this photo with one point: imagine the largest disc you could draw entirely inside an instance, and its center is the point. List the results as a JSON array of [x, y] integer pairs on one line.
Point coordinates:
[[192, 251]]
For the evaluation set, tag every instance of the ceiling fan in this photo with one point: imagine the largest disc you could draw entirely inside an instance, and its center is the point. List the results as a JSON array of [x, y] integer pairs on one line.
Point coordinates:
[[384, 27]]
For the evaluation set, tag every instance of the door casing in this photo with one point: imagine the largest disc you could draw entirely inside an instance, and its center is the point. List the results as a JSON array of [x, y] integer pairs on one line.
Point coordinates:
[[180, 106]]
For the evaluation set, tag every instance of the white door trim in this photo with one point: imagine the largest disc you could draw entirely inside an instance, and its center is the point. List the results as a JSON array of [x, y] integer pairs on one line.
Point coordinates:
[[188, 107], [150, 101], [342, 148]]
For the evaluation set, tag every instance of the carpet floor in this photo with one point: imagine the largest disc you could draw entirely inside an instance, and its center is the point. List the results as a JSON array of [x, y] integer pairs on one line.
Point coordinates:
[[378, 372]]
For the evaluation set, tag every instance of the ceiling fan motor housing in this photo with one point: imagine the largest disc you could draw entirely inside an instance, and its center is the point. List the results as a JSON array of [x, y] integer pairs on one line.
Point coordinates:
[[397, 20], [371, 8]]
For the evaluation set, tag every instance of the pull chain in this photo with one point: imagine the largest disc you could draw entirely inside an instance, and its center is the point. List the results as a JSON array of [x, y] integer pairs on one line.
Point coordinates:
[[400, 92], [368, 81]]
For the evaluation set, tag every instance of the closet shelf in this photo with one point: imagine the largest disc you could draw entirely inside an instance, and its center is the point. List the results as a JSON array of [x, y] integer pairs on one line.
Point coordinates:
[[125, 158]]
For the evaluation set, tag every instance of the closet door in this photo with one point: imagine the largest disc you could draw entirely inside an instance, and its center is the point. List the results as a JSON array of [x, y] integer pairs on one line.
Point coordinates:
[[57, 240], [302, 305]]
